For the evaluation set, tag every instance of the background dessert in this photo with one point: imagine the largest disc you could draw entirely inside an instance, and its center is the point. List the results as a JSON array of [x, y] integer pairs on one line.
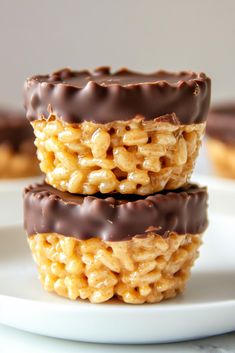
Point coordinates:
[[140, 249], [221, 138], [17, 150], [120, 132]]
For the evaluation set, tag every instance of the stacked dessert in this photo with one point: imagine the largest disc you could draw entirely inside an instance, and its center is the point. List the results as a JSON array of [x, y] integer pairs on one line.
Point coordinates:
[[221, 138], [17, 151], [116, 215]]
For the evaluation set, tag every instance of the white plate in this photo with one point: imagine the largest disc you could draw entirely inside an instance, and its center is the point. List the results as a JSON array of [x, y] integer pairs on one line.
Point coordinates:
[[207, 307]]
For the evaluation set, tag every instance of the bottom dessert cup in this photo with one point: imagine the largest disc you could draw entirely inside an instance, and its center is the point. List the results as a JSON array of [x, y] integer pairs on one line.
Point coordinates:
[[137, 249]]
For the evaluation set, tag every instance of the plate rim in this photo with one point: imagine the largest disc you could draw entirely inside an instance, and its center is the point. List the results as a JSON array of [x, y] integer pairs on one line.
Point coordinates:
[[123, 306]]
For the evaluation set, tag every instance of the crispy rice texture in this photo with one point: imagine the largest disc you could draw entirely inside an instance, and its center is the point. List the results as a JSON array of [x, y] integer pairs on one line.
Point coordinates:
[[128, 157], [141, 270]]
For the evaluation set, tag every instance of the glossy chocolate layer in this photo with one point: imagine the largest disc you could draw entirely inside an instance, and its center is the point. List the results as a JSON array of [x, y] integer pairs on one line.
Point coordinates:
[[221, 123], [114, 218], [101, 96], [15, 131]]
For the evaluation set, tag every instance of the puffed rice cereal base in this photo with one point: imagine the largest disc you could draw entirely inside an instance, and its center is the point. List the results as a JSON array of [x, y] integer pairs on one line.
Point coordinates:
[[128, 157], [17, 164], [223, 157], [136, 271]]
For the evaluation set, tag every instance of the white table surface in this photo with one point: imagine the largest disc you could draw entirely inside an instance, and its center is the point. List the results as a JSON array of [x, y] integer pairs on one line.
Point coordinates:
[[12, 340]]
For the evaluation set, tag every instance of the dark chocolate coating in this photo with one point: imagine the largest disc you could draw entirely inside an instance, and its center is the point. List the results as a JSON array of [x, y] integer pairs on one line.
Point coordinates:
[[101, 96], [117, 217], [15, 131], [221, 123]]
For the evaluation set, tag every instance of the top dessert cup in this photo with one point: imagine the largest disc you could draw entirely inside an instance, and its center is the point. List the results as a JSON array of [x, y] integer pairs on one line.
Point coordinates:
[[119, 132], [17, 151]]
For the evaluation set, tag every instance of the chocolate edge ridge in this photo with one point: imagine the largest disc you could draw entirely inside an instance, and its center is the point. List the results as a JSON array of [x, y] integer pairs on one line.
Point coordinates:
[[186, 197], [201, 85]]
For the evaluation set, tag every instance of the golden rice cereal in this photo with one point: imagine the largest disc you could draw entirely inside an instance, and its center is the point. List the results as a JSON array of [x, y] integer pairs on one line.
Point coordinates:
[[137, 271], [128, 157]]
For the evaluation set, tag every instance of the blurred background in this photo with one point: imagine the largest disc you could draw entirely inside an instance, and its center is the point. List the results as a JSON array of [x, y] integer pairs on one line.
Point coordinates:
[[42, 36]]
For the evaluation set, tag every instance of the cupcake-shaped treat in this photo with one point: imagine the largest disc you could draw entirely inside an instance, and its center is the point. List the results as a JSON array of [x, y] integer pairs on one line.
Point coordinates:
[[116, 133], [137, 248], [17, 150], [122, 132], [221, 138]]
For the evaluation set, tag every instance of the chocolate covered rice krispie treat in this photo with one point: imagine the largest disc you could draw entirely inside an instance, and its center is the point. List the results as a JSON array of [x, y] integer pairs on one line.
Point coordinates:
[[137, 248], [123, 132], [221, 138], [17, 150]]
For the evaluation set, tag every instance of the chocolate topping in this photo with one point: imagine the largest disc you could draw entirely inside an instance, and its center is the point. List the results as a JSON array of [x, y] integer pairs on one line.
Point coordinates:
[[102, 96], [114, 218], [15, 131], [221, 123]]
